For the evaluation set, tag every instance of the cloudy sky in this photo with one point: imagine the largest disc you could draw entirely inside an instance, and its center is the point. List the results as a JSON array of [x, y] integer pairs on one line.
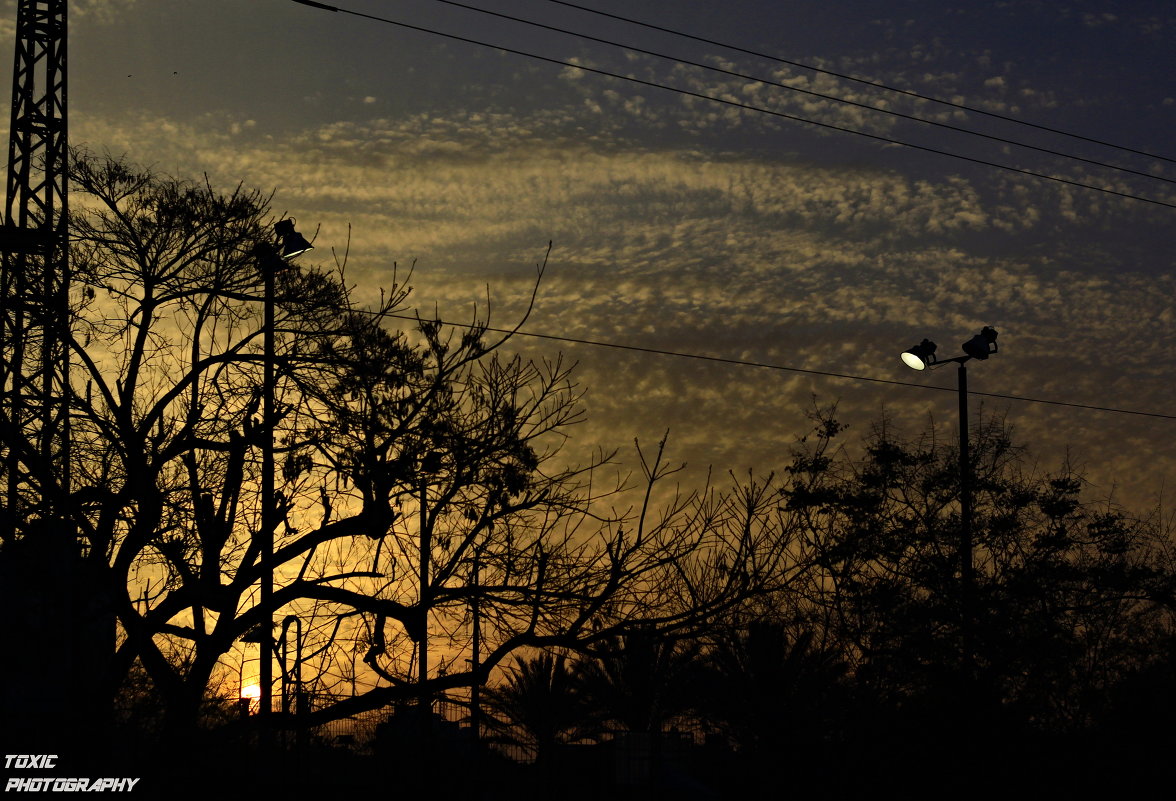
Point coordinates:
[[705, 228]]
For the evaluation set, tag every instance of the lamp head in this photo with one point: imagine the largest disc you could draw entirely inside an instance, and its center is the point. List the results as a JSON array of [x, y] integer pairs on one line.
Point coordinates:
[[268, 260], [982, 345], [431, 463], [293, 242], [920, 356]]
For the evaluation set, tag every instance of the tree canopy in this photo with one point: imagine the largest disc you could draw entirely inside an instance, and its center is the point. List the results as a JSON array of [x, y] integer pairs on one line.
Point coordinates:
[[1065, 588], [406, 454]]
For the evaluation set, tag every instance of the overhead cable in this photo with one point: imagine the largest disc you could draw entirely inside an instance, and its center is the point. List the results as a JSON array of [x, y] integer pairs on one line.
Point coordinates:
[[865, 81], [787, 369], [809, 92], [744, 106]]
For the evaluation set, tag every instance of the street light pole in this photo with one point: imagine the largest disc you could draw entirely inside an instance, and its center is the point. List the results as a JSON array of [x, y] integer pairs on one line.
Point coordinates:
[[967, 578], [426, 548], [270, 262], [920, 357], [430, 465], [476, 655], [268, 512]]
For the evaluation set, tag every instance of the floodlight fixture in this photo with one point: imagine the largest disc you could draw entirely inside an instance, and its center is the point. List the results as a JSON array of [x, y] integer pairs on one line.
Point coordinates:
[[293, 243], [982, 345], [920, 356], [268, 261], [431, 463]]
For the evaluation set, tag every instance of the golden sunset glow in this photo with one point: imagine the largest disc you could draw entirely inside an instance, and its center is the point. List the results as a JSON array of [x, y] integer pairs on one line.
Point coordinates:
[[508, 399]]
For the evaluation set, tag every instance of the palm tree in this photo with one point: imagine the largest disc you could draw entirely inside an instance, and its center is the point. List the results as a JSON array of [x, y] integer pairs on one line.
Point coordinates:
[[537, 708], [773, 688], [640, 682]]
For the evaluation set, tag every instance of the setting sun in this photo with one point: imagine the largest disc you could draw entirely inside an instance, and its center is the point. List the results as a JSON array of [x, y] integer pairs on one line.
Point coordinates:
[[508, 398]]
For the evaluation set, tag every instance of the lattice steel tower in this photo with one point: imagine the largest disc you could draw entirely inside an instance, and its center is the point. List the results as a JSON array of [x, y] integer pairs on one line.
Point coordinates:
[[34, 285], [50, 635]]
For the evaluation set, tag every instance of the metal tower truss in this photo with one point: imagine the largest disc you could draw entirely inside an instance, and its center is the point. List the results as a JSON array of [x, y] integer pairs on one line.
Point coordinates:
[[34, 283]]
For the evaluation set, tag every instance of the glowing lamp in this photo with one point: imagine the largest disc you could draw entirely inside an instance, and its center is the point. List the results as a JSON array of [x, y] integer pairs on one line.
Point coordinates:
[[920, 356]]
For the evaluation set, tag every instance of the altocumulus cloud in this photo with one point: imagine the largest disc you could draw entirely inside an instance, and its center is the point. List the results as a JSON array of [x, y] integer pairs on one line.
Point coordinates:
[[771, 259]]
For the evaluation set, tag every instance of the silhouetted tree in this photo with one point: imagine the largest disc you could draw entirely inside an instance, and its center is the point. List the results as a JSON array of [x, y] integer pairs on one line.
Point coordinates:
[[1066, 589], [771, 690], [641, 681], [403, 454], [537, 707]]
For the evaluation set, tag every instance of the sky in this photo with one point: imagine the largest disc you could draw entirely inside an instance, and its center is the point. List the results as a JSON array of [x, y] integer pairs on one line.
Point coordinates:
[[686, 225]]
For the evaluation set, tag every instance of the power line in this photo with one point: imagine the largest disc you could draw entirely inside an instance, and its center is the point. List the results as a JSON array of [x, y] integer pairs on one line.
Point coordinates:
[[785, 368], [740, 362], [809, 92], [742, 106], [864, 81]]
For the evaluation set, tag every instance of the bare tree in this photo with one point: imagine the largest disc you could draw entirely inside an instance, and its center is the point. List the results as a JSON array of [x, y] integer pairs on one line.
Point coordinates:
[[421, 480]]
